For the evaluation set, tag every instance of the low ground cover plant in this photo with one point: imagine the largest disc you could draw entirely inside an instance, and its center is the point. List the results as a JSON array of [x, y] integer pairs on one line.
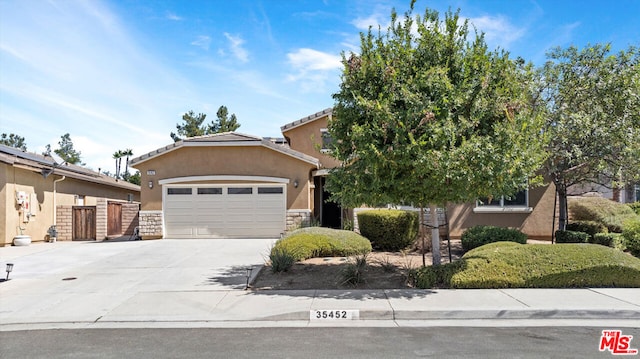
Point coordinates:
[[512, 265], [609, 213], [635, 206], [389, 229], [322, 242], [480, 235]]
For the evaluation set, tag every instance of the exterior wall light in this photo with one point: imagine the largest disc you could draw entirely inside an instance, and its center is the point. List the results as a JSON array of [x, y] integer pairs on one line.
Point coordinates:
[[295, 183], [9, 270], [150, 184]]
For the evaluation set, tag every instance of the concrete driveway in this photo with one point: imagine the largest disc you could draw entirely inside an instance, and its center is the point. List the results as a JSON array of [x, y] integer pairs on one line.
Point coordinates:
[[56, 280]]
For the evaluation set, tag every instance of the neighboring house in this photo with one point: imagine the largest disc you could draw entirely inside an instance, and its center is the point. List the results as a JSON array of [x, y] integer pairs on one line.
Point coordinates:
[[88, 205], [238, 185]]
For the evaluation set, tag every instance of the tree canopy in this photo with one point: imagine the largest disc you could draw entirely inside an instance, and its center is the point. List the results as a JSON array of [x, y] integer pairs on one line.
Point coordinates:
[[593, 102], [13, 140], [67, 152], [193, 125], [424, 115]]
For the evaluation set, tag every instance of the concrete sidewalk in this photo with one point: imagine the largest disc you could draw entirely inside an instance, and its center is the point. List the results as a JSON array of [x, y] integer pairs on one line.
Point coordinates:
[[201, 284]]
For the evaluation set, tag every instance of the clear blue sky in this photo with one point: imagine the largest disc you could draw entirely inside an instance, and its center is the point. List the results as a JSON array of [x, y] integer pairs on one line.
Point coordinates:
[[120, 74]]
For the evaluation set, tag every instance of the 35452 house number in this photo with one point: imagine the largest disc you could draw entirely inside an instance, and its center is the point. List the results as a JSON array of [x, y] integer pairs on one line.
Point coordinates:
[[334, 314]]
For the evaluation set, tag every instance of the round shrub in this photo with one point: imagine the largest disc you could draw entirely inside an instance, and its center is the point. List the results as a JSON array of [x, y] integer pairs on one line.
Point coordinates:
[[590, 227], [635, 206], [631, 235], [571, 237], [322, 242], [389, 230], [604, 239], [480, 235], [609, 213]]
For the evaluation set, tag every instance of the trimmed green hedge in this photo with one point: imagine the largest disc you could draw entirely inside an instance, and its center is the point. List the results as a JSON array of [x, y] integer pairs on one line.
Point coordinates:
[[389, 229], [609, 213], [480, 235], [589, 227], [631, 235], [572, 237], [322, 242], [635, 206], [512, 265]]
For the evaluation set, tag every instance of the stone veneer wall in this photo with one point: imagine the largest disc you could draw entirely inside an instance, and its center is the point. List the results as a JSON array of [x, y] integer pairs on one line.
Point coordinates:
[[64, 223], [150, 224], [298, 218]]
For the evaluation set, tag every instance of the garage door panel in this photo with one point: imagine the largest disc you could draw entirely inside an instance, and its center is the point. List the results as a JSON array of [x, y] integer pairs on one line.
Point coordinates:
[[215, 213]]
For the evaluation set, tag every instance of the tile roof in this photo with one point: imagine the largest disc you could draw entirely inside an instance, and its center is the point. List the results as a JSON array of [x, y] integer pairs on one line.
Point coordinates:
[[310, 118], [41, 164], [226, 139]]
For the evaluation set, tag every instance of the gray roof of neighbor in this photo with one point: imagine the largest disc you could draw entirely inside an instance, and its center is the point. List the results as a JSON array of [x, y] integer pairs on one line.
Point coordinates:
[[40, 163], [226, 138], [315, 116]]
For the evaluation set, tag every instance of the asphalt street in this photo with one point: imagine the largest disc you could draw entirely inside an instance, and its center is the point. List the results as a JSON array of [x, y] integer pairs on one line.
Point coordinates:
[[438, 342]]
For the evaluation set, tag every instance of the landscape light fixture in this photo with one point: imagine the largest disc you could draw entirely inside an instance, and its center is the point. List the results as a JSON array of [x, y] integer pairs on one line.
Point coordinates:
[[249, 270], [9, 270]]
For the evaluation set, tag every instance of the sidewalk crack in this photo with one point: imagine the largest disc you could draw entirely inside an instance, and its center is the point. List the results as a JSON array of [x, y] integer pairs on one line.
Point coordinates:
[[514, 298]]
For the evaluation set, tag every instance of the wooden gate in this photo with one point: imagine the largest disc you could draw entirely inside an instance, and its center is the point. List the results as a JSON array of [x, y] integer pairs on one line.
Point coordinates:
[[84, 223], [114, 219]]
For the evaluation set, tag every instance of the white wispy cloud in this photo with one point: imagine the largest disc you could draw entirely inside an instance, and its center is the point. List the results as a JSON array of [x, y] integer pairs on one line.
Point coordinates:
[[74, 68], [172, 16], [202, 41], [312, 68], [498, 30], [236, 48]]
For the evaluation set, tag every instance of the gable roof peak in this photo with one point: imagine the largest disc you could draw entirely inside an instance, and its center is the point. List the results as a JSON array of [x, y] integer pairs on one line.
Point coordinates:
[[320, 114]]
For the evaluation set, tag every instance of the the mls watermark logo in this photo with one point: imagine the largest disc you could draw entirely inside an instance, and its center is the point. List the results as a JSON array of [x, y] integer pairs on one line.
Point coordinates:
[[617, 343]]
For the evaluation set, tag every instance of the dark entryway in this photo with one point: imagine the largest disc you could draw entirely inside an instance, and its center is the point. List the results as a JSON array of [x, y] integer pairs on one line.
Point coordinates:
[[114, 219], [84, 223], [330, 212]]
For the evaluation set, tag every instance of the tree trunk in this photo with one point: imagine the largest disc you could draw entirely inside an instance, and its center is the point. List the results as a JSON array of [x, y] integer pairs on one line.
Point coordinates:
[[435, 235], [563, 207], [422, 234]]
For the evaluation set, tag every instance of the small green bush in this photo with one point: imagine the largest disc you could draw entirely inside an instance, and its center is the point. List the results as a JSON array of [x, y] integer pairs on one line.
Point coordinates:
[[635, 206], [389, 230], [604, 239], [631, 235], [512, 265], [480, 235], [322, 242], [353, 273], [281, 260], [609, 213], [589, 227], [571, 237]]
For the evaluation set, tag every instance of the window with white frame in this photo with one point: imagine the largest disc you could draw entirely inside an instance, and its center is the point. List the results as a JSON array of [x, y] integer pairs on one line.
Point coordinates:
[[518, 202], [327, 140]]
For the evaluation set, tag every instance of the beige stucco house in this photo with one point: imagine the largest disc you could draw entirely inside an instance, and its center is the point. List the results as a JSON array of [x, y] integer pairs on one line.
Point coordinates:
[[238, 185], [37, 193]]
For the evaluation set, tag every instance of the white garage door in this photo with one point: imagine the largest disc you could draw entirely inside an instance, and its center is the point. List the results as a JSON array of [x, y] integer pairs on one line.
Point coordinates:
[[210, 211]]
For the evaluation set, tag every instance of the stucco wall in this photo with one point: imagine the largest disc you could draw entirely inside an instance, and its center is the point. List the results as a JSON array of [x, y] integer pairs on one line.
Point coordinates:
[[307, 138], [17, 179], [231, 161], [537, 224]]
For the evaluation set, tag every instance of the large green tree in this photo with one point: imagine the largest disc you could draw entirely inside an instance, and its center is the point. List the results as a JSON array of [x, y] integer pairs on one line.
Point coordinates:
[[13, 140], [426, 114], [225, 123], [67, 152], [193, 125], [593, 99]]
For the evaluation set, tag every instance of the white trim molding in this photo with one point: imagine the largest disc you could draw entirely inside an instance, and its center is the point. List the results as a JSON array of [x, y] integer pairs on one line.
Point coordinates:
[[224, 178], [496, 209]]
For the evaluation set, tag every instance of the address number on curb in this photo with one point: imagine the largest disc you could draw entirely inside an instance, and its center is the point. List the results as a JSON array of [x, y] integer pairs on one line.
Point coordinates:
[[334, 314]]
